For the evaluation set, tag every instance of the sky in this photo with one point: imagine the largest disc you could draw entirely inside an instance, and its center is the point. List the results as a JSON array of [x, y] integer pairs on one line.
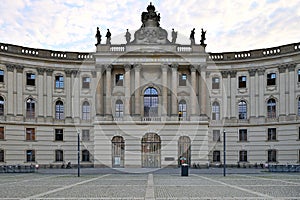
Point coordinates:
[[70, 25]]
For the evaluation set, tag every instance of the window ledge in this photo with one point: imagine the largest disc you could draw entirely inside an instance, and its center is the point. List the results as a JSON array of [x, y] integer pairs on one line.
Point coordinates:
[[271, 87], [271, 141], [30, 87], [242, 90], [246, 141]]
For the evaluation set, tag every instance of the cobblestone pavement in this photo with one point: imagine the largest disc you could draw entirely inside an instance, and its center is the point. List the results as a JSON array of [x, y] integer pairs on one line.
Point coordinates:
[[150, 186]]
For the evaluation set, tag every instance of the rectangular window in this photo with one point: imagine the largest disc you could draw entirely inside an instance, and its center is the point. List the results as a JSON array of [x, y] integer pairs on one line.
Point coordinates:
[[271, 134], [243, 135], [1, 76], [216, 156], [243, 156], [86, 82], [1, 155], [299, 156], [272, 157], [298, 75], [1, 133], [85, 135], [30, 79], [119, 79], [59, 82], [216, 136], [59, 155], [30, 134], [182, 80], [59, 134], [271, 79], [85, 156], [242, 82], [298, 133], [30, 155], [215, 83]]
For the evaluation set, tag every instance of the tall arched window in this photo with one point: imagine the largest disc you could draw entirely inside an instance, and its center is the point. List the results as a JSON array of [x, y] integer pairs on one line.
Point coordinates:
[[1, 106], [119, 108], [86, 111], [242, 110], [299, 106], [150, 102], [30, 108], [271, 108], [182, 110], [59, 110], [215, 111]]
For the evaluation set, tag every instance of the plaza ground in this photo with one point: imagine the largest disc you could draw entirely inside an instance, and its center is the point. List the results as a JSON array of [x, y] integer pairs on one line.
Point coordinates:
[[150, 184]]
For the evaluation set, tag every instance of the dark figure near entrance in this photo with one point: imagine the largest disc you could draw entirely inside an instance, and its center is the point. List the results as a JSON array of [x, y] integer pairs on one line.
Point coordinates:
[[192, 36], [108, 37], [174, 36], [202, 37], [128, 37], [98, 36]]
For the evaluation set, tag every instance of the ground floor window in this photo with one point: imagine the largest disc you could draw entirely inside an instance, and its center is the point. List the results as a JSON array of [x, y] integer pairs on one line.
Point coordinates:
[[118, 149], [184, 150], [1, 155], [272, 155], [59, 155], [243, 156], [216, 156], [30, 156], [85, 156]]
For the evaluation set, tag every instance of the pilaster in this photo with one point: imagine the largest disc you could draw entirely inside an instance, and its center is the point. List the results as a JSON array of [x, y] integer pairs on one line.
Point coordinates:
[[174, 110]]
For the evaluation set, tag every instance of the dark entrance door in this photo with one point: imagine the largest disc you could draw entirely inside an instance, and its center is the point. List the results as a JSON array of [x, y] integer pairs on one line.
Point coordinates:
[[151, 150]]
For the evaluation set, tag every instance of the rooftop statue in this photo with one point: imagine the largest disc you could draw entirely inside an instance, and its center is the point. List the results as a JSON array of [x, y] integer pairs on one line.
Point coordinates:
[[150, 31], [192, 36], [98, 36], [203, 37], [128, 37], [108, 37], [174, 36]]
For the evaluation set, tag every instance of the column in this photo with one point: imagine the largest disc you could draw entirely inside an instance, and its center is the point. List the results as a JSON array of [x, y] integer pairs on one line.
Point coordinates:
[[281, 83], [164, 69], [127, 90], [50, 106], [68, 89], [99, 91], [225, 95], [193, 92], [233, 89], [292, 83], [76, 94], [203, 92], [10, 89], [174, 90], [252, 104], [108, 110], [20, 86], [137, 97], [40, 79], [261, 89]]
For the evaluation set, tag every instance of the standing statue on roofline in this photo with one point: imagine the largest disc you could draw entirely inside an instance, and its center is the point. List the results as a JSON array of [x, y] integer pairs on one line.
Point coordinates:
[[192, 37], [128, 37], [108, 37], [98, 36], [203, 37], [174, 36]]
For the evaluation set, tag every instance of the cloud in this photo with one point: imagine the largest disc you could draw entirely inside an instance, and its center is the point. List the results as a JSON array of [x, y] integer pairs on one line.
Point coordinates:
[[71, 25]]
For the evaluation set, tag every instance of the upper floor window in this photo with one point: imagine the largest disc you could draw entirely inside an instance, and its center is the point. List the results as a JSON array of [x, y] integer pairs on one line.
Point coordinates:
[[30, 108], [30, 79], [150, 102], [85, 155], [182, 80], [59, 82], [243, 135], [1, 155], [299, 106], [215, 83], [59, 110], [216, 156], [119, 79], [243, 156], [1, 133], [271, 134], [86, 82], [1, 76], [59, 155], [216, 111], [85, 135], [30, 134], [242, 110], [242, 82], [59, 135], [298, 133], [272, 155], [182, 109], [271, 79], [216, 136], [271, 108], [86, 111], [1, 106], [30, 155], [119, 108], [299, 75]]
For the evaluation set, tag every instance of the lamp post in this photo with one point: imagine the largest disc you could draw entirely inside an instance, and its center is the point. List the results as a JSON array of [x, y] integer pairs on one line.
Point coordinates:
[[78, 154], [224, 152]]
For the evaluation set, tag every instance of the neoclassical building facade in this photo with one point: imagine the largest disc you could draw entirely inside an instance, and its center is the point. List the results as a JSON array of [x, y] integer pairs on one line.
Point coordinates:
[[149, 103]]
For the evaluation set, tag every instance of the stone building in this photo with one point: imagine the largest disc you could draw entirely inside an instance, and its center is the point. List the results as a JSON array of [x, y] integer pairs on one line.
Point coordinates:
[[149, 103]]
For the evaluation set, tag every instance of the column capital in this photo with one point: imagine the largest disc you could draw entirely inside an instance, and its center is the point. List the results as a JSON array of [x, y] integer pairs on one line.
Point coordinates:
[[68, 73], [75, 72], [19, 68], [207, 74], [127, 67], [194, 68], [261, 71], [49, 72], [40, 71], [94, 74], [281, 68], [291, 67], [232, 73], [224, 74], [174, 65], [10, 67], [108, 67], [252, 72], [164, 67]]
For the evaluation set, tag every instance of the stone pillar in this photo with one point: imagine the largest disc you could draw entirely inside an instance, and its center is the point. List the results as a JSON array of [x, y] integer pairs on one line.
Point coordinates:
[[164, 69], [282, 84], [193, 91], [99, 91], [68, 89], [225, 95], [40, 86], [252, 101], [10, 90], [204, 93], [127, 91], [137, 97], [174, 102], [291, 89], [261, 89], [20, 101], [233, 89], [108, 111], [49, 106], [76, 95]]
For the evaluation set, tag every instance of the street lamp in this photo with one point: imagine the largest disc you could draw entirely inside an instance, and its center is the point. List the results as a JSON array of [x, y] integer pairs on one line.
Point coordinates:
[[224, 152], [78, 153]]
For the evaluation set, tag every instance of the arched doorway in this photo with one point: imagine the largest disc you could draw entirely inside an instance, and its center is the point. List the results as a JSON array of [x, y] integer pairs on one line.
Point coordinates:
[[151, 144], [184, 150], [118, 148]]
